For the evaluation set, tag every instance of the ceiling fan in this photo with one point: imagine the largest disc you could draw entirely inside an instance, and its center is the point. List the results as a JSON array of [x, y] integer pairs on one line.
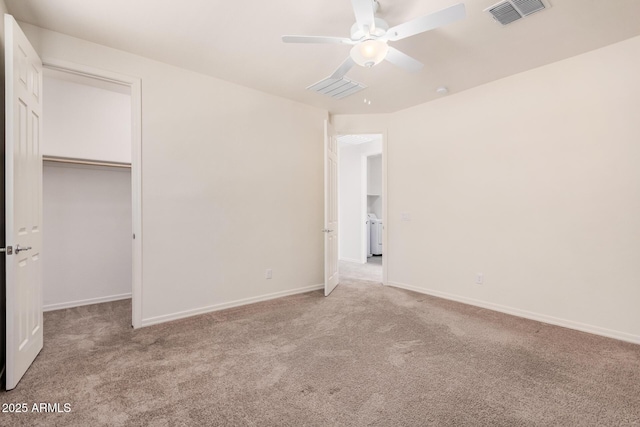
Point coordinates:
[[370, 36]]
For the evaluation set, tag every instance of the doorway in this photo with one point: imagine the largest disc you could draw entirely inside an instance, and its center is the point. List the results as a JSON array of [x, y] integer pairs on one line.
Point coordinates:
[[360, 206], [91, 177], [24, 114]]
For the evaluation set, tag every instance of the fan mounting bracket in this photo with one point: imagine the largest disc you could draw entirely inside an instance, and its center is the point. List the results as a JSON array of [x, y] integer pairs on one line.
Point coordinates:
[[379, 30]]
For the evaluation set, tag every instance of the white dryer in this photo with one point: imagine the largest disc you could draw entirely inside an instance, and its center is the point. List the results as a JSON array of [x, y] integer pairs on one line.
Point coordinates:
[[370, 217], [376, 235]]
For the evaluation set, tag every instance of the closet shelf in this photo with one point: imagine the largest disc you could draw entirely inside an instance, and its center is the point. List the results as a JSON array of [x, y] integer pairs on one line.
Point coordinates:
[[76, 161]]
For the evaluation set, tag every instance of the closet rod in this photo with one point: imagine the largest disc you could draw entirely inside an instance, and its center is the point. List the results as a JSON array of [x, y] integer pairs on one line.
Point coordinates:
[[86, 162]]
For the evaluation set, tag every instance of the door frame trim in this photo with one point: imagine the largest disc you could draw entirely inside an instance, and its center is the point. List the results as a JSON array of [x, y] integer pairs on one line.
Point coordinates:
[[135, 84]]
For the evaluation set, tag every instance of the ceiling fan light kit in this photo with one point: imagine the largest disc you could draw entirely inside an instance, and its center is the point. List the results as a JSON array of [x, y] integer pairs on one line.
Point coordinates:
[[370, 37], [369, 52]]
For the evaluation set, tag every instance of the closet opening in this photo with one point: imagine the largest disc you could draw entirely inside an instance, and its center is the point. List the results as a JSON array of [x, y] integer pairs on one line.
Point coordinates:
[[89, 192], [360, 207]]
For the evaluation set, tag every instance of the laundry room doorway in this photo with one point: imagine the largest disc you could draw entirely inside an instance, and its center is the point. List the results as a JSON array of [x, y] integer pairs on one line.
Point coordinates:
[[361, 207]]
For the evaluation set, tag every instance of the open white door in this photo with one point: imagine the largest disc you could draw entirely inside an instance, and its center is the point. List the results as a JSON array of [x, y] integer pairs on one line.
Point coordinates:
[[331, 277], [23, 221]]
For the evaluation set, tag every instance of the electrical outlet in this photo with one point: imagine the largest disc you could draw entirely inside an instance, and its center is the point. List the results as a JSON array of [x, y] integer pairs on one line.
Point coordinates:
[[479, 278], [268, 273]]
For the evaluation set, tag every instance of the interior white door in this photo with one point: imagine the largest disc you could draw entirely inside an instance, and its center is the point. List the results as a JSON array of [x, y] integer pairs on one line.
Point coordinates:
[[23, 220], [331, 276]]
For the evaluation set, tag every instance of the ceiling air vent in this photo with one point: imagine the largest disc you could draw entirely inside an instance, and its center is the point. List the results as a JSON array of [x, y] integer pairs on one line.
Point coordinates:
[[337, 88], [509, 11], [527, 7]]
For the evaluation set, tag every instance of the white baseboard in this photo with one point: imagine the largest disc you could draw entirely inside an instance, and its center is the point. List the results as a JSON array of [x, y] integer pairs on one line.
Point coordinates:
[[70, 304], [597, 330], [217, 307]]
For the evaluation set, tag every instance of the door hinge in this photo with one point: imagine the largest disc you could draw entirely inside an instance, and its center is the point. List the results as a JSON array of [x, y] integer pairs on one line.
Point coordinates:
[[8, 250]]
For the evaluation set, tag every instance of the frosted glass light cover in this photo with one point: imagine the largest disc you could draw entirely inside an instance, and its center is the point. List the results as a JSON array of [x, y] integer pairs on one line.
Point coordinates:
[[369, 53]]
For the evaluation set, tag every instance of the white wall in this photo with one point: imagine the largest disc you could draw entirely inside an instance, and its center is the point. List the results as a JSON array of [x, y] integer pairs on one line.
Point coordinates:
[[374, 205], [85, 122], [353, 199], [86, 210], [232, 184], [374, 175], [87, 239], [374, 185], [532, 180]]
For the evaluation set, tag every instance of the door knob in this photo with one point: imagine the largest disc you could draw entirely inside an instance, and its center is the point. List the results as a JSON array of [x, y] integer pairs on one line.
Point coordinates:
[[19, 248]]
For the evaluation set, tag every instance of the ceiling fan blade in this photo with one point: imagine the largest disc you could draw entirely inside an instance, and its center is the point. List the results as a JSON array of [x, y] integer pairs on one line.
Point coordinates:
[[316, 39], [365, 13], [426, 23], [343, 69], [403, 60]]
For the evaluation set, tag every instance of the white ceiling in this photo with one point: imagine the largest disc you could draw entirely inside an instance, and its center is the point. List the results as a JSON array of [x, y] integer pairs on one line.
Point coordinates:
[[358, 139], [239, 41]]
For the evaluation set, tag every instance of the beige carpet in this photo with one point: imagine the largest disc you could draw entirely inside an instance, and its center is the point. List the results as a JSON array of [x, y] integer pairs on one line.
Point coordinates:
[[366, 355], [369, 271]]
